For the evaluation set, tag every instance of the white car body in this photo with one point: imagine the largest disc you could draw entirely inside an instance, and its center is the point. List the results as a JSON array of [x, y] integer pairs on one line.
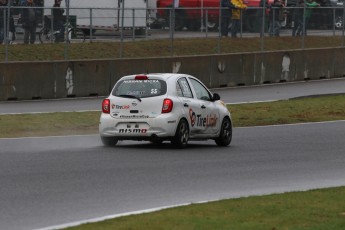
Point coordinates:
[[159, 107]]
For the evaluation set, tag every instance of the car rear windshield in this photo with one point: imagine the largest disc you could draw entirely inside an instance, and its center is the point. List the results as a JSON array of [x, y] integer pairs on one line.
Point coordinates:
[[140, 88]]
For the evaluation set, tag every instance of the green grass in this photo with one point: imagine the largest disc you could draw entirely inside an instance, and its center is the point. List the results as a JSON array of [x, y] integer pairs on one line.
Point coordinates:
[[322, 209], [161, 48], [311, 109]]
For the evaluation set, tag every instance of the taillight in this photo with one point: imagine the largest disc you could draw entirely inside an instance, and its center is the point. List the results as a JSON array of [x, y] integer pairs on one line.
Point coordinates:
[[167, 105], [106, 106], [141, 77]]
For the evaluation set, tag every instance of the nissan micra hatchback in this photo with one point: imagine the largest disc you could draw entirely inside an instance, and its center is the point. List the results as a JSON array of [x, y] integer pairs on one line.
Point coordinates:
[[164, 107]]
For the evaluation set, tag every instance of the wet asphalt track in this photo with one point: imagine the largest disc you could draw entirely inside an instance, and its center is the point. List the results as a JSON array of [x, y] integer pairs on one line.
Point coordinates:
[[228, 95], [57, 180]]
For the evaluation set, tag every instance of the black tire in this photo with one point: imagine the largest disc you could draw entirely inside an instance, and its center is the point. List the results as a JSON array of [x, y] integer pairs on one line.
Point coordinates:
[[212, 25], [156, 142], [194, 25], [41, 35], [86, 32], [44, 36], [250, 24], [79, 34], [225, 134], [109, 141], [180, 17], [180, 140], [338, 24]]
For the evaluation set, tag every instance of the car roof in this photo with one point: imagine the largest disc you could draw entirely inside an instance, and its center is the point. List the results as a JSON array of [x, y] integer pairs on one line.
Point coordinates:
[[164, 76]]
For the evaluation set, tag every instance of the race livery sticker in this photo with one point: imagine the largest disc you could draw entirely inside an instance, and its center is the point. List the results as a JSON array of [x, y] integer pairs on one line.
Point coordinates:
[[198, 120], [154, 91], [140, 81], [139, 131], [113, 106], [135, 93], [134, 116]]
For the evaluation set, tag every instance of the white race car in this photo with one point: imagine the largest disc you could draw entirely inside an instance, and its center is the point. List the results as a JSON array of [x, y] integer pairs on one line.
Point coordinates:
[[164, 107]]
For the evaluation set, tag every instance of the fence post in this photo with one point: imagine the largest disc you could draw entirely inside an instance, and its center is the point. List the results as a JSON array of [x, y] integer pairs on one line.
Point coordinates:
[[66, 34], [91, 30], [241, 24], [263, 24], [172, 29], [51, 25], [122, 23], [304, 26], [133, 32], [333, 26], [206, 23], [5, 30], [342, 43], [202, 17], [219, 27]]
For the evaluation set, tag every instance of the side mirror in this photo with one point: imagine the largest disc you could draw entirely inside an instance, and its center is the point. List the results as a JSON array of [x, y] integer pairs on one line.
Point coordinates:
[[215, 97]]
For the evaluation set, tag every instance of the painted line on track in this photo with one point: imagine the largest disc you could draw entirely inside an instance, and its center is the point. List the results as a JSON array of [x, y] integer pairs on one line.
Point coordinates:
[[99, 219]]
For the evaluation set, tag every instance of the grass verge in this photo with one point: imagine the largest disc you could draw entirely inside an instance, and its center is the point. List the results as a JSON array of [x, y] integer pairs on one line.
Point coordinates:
[[312, 210], [311, 109], [161, 48]]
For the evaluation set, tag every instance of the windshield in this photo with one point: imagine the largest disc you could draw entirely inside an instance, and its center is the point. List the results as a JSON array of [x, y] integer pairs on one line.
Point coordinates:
[[140, 88]]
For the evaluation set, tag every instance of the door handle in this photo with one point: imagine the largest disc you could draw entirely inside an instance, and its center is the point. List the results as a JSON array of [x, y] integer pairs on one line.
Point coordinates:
[[203, 107], [185, 105]]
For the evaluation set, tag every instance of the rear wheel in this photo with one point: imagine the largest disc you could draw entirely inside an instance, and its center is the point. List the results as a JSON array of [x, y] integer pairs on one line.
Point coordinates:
[[88, 32], [180, 19], [181, 137], [109, 141], [156, 142], [211, 25], [338, 22], [194, 25], [251, 24], [84, 34], [225, 135]]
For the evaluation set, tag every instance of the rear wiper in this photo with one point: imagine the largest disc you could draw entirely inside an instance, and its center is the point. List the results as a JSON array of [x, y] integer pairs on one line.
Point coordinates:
[[129, 96]]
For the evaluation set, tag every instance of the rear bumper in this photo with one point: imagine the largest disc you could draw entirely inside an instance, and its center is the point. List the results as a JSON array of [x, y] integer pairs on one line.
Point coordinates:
[[161, 127]]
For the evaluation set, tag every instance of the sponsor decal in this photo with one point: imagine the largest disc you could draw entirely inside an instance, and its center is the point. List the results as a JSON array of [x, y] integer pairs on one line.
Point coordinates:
[[192, 117], [142, 131], [135, 93], [199, 121], [113, 106], [141, 81], [134, 116]]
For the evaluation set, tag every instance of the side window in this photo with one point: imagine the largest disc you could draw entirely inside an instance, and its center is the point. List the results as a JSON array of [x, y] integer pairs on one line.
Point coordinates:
[[183, 88], [179, 90], [201, 92]]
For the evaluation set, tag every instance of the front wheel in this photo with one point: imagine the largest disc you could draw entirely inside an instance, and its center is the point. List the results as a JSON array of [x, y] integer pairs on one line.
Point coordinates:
[[43, 35], [225, 135], [180, 140], [109, 141]]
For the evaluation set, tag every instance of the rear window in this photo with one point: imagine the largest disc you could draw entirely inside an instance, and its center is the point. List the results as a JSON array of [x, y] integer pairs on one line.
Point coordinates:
[[140, 88]]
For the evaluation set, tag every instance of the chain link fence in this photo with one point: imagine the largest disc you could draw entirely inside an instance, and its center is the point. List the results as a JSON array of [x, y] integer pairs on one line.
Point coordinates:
[[120, 25]]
